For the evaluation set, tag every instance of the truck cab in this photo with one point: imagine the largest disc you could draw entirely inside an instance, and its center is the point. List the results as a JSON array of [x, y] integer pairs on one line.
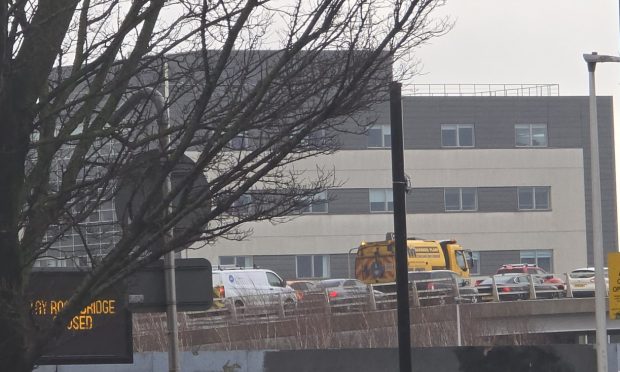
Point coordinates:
[[375, 262]]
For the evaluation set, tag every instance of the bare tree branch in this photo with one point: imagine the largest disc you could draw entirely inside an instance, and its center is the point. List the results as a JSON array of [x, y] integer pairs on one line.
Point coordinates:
[[245, 89]]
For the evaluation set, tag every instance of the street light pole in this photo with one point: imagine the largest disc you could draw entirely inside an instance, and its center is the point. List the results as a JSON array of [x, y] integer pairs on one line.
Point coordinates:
[[163, 122], [169, 257], [399, 185], [597, 218]]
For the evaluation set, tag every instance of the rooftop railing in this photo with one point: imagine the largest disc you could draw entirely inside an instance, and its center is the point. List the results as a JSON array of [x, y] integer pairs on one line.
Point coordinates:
[[482, 90]]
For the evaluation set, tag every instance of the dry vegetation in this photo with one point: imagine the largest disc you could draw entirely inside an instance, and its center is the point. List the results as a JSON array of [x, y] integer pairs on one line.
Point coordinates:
[[432, 326]]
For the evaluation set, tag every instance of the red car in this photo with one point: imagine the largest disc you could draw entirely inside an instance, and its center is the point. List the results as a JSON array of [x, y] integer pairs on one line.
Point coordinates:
[[534, 270]]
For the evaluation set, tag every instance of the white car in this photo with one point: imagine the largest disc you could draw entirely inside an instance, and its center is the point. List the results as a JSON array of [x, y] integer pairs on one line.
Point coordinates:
[[582, 281]]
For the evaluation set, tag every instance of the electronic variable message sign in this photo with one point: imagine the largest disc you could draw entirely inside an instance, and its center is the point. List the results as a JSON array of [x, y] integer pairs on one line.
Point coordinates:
[[100, 333], [194, 288]]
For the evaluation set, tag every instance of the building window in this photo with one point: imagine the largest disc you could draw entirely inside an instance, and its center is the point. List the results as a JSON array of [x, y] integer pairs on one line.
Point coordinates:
[[237, 261], [50, 262], [105, 212], [240, 142], [460, 199], [315, 139], [242, 206], [531, 135], [542, 258], [379, 136], [534, 198], [312, 266], [381, 200], [318, 204], [475, 269], [98, 233], [457, 135]]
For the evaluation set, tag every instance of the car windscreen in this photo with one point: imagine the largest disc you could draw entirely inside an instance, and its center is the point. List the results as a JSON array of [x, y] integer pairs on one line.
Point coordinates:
[[582, 274], [329, 284], [585, 274], [510, 271], [298, 286], [499, 280]]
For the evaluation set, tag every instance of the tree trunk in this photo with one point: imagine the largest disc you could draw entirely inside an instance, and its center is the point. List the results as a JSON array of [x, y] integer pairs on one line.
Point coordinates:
[[15, 352], [15, 342]]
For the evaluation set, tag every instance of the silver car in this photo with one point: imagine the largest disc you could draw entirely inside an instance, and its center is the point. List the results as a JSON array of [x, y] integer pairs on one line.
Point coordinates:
[[348, 292], [582, 281]]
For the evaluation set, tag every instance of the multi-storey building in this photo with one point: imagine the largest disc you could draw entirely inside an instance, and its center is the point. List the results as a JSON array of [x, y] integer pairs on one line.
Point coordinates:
[[506, 176]]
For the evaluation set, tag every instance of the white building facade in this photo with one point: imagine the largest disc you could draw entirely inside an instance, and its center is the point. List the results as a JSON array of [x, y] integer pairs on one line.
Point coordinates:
[[506, 176]]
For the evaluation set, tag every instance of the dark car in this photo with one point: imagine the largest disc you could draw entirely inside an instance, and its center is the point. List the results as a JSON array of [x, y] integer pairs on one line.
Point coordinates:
[[302, 285], [442, 286], [511, 287], [302, 288], [531, 269]]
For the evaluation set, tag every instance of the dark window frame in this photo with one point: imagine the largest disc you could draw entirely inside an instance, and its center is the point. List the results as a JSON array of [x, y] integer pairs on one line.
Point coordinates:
[[460, 199], [388, 200], [536, 205], [457, 135], [531, 136], [385, 134], [325, 266]]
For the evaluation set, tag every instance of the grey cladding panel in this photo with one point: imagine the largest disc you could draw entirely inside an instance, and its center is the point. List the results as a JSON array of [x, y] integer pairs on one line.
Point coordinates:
[[425, 200], [349, 201], [490, 199], [497, 199], [423, 117], [338, 265], [490, 261], [352, 137], [493, 119], [283, 265], [607, 172]]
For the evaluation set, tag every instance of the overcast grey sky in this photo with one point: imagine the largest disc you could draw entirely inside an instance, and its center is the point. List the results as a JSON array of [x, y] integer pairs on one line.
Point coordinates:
[[525, 41]]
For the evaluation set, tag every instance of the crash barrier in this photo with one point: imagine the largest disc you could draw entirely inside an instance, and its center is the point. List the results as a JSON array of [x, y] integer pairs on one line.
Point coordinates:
[[543, 358], [524, 290], [422, 293]]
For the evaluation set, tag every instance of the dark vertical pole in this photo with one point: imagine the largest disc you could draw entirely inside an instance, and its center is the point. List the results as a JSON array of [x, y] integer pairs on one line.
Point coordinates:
[[399, 189]]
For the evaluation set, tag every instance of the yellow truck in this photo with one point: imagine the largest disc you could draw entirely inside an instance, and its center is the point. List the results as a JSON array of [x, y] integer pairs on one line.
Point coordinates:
[[375, 261]]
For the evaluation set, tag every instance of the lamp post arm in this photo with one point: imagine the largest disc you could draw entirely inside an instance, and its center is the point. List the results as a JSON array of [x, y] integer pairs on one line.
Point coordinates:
[[144, 94], [596, 58]]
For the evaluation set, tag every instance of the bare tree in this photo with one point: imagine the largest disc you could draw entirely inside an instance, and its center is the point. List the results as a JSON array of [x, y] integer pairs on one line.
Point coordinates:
[[244, 88]]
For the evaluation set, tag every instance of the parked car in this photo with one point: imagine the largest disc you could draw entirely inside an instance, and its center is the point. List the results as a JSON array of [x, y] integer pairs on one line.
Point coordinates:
[[582, 281], [256, 287], [438, 287], [513, 287], [302, 287], [348, 292], [531, 269]]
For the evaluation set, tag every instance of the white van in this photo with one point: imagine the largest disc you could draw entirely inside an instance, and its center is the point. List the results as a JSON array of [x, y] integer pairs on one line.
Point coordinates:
[[252, 287]]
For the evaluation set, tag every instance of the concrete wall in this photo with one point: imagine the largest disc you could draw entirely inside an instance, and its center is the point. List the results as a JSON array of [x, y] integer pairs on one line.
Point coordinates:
[[559, 358]]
